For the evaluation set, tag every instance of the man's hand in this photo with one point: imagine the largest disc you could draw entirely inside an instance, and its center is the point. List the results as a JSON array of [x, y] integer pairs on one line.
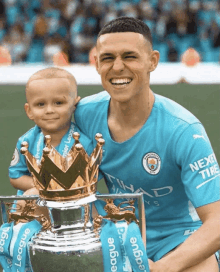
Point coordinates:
[[156, 267], [151, 265], [197, 252]]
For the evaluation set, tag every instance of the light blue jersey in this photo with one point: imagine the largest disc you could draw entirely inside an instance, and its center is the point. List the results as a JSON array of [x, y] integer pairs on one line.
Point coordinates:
[[35, 139], [170, 160]]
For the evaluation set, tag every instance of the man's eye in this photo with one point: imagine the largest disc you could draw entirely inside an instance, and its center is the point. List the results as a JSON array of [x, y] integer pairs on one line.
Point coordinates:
[[107, 58], [132, 57]]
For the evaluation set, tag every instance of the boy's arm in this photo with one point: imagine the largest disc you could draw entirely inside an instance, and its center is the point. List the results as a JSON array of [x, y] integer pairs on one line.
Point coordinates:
[[23, 183], [19, 175], [22, 203]]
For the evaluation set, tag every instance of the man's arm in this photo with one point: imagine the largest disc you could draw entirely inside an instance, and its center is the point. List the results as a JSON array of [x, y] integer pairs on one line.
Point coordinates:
[[198, 247], [22, 183]]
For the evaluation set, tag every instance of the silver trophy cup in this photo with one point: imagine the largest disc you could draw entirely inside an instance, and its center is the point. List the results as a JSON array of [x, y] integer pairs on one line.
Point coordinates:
[[71, 244], [69, 239]]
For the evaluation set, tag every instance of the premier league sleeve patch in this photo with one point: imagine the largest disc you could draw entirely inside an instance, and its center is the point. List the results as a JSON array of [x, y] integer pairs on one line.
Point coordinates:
[[15, 158], [152, 163]]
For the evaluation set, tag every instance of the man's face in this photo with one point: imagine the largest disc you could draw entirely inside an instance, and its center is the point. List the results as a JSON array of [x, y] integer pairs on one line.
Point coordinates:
[[124, 61], [51, 104]]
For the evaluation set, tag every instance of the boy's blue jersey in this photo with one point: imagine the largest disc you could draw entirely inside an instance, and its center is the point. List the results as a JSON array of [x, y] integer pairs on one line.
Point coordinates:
[[35, 139], [170, 160]]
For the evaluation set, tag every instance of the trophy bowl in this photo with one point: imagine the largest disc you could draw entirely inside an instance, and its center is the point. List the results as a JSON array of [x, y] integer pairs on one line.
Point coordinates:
[[71, 244]]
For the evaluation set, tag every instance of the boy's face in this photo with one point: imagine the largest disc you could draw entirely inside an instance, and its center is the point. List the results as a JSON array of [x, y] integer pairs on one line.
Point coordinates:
[[51, 103]]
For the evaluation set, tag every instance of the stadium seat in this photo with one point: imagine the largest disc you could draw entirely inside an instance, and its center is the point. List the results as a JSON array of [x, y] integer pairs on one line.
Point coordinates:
[[35, 53]]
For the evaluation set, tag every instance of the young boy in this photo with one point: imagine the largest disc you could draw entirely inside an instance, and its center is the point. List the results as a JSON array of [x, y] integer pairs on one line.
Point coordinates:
[[51, 98]]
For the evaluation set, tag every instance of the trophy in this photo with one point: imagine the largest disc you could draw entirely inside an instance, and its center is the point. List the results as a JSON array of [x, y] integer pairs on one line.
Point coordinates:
[[69, 239], [67, 188]]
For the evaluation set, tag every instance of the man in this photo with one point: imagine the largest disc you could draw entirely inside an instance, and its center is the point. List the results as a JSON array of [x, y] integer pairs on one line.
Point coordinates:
[[154, 146]]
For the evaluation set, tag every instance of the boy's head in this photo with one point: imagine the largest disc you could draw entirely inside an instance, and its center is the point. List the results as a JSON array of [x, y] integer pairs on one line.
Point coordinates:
[[51, 96]]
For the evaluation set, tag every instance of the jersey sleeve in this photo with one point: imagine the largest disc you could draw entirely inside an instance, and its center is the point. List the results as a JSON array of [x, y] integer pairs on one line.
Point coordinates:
[[199, 167], [18, 166], [79, 119]]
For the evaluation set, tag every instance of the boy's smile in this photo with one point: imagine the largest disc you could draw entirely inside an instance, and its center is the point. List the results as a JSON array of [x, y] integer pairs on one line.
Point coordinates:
[[51, 104]]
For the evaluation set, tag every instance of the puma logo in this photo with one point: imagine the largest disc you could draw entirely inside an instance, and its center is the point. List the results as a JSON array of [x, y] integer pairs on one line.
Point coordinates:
[[196, 136]]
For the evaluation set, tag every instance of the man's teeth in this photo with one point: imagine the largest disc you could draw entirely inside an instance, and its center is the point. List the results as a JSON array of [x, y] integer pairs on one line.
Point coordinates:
[[120, 81]]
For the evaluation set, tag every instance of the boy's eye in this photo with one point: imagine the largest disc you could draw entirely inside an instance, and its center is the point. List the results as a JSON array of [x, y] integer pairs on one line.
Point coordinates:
[[59, 103], [40, 104]]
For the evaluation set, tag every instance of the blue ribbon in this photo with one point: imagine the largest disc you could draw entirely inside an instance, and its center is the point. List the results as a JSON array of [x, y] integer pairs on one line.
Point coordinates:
[[112, 257], [6, 233], [20, 252], [63, 148], [135, 249], [114, 250], [122, 228], [20, 261], [6, 263]]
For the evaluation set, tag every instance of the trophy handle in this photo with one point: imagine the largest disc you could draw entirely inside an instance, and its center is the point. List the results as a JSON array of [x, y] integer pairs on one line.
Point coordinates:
[[141, 210], [12, 198]]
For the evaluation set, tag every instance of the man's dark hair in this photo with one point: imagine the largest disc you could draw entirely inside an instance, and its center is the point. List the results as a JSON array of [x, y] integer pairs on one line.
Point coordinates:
[[127, 24]]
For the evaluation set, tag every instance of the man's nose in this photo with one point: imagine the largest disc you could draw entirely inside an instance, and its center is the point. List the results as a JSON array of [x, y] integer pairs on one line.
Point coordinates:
[[118, 64]]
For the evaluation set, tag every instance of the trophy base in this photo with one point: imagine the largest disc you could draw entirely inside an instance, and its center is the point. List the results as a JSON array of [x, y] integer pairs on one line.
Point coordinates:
[[46, 261], [71, 244], [66, 250]]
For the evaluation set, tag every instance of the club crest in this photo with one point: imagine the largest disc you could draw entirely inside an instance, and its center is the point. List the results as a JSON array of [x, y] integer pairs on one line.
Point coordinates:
[[15, 158], [152, 163]]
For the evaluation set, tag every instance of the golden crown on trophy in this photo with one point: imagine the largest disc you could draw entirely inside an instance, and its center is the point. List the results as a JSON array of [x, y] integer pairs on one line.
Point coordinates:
[[61, 178]]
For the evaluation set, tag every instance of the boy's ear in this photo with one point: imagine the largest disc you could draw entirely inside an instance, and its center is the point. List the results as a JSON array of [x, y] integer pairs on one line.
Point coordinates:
[[78, 98], [28, 111]]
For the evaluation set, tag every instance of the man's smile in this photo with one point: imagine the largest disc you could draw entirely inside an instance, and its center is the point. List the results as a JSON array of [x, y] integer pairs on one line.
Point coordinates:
[[120, 81]]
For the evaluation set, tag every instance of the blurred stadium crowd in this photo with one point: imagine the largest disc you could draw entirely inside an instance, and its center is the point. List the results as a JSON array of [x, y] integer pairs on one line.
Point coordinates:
[[34, 30]]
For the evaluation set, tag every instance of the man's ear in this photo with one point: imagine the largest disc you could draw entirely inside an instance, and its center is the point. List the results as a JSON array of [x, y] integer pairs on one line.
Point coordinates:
[[96, 63], [155, 56], [28, 111]]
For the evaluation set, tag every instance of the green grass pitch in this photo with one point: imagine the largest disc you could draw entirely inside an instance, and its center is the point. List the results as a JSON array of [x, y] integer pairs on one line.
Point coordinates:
[[202, 100]]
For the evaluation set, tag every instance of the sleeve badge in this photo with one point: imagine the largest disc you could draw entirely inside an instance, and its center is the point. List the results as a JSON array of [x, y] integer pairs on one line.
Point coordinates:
[[15, 158]]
